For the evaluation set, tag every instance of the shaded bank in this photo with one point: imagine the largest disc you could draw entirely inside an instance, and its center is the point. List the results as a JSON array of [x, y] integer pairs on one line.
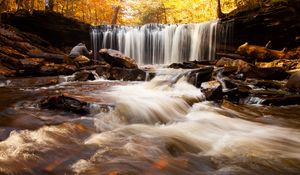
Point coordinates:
[[278, 23], [60, 31]]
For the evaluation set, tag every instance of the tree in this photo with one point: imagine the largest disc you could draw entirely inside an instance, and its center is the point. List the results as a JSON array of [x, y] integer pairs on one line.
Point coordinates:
[[115, 14], [220, 14], [49, 5]]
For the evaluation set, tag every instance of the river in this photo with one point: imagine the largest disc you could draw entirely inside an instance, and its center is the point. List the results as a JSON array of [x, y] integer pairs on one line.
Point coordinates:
[[153, 128]]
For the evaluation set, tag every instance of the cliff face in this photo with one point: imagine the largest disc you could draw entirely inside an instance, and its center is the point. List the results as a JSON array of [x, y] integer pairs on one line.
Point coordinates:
[[278, 23], [58, 30]]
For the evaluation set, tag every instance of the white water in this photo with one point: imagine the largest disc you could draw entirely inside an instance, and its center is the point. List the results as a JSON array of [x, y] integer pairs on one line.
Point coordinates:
[[163, 44], [156, 127]]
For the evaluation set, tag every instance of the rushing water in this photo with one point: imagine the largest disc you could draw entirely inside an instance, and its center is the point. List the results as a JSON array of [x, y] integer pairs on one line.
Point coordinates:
[[156, 127], [164, 44]]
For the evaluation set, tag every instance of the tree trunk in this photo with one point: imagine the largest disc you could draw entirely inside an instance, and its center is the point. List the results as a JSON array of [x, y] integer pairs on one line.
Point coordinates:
[[220, 14], [32, 5], [50, 5], [67, 7], [19, 4], [72, 7], [115, 15]]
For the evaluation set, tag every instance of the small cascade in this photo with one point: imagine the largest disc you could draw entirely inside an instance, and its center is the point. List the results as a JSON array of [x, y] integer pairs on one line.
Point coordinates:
[[164, 44]]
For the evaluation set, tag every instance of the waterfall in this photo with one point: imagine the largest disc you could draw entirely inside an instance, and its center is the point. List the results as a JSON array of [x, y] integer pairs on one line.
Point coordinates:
[[163, 44]]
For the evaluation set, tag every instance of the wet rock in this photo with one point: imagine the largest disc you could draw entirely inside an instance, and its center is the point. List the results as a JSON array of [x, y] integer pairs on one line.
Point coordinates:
[[248, 70], [283, 63], [84, 76], [117, 59], [127, 74], [117, 73], [272, 73], [212, 90], [10, 62], [56, 69], [12, 52], [266, 84], [283, 101], [227, 62], [82, 60], [185, 65], [31, 63], [4, 71], [236, 91], [196, 77], [294, 82], [103, 71], [65, 103]]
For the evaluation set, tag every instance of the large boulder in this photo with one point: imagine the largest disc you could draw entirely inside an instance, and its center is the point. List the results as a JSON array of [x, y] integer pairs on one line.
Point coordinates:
[[248, 70], [117, 59], [294, 82], [65, 103]]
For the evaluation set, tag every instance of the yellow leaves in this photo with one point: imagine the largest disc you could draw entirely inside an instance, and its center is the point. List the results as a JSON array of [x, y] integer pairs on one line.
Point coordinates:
[[137, 12]]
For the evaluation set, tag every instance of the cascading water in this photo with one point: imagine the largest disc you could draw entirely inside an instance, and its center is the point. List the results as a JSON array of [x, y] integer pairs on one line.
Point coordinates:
[[158, 127], [163, 44]]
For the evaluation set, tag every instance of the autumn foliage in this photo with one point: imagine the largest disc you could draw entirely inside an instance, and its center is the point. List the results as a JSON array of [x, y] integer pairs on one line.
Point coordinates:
[[132, 12]]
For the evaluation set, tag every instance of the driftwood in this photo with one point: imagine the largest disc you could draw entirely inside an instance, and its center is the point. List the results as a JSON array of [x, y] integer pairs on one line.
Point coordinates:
[[50, 57], [260, 53]]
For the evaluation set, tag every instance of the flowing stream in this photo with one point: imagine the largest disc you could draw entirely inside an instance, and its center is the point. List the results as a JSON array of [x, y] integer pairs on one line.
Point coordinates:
[[157, 127]]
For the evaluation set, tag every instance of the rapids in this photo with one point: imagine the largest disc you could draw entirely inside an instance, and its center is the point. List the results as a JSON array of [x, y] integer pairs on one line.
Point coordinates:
[[157, 127]]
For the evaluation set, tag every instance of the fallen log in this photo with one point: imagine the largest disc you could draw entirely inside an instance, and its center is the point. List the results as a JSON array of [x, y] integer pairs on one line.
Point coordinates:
[[260, 53], [50, 57]]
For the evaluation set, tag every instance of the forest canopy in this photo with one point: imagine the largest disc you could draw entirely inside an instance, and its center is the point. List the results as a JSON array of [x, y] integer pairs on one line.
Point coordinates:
[[133, 12]]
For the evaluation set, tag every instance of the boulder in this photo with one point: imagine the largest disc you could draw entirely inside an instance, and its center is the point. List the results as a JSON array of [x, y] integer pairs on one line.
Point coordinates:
[[117, 59], [235, 91], [117, 73], [212, 91], [82, 60], [65, 103], [84, 76], [198, 76], [294, 82], [251, 71], [103, 71]]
